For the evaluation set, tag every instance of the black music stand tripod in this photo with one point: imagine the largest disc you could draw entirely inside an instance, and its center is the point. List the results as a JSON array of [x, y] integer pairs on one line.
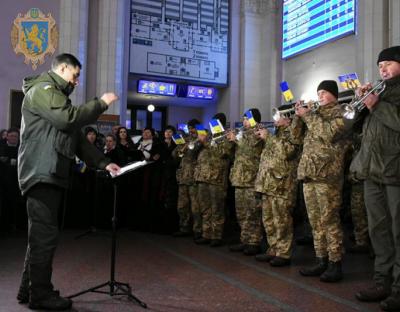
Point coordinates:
[[115, 288]]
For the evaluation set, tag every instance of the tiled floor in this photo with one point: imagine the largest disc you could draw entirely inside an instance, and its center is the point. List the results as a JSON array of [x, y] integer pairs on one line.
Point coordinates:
[[173, 274]]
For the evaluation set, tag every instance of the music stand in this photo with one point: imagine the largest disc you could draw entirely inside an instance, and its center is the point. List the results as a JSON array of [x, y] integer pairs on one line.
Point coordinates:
[[116, 288]]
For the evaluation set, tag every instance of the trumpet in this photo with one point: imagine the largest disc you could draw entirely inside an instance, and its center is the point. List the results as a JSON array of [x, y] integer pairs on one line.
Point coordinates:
[[289, 112], [357, 105]]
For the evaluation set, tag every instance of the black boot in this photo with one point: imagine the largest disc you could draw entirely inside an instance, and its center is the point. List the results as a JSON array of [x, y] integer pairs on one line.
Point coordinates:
[[376, 293], [333, 273], [251, 250], [317, 269], [391, 303], [216, 242], [202, 241], [23, 292], [237, 248], [41, 291], [279, 262], [264, 257]]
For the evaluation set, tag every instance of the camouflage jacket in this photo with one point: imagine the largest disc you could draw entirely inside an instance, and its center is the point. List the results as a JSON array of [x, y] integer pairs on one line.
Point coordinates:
[[185, 171], [278, 163], [247, 158], [213, 163], [323, 151]]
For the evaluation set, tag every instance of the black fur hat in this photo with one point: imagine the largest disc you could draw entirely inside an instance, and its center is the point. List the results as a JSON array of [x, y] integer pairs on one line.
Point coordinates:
[[389, 54], [256, 114], [330, 86], [221, 117], [193, 122]]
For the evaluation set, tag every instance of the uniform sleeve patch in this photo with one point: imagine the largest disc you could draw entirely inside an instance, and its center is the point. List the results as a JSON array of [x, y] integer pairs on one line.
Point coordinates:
[[46, 87]]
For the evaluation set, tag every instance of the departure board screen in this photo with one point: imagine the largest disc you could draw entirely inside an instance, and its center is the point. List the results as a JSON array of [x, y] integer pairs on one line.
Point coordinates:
[[309, 23]]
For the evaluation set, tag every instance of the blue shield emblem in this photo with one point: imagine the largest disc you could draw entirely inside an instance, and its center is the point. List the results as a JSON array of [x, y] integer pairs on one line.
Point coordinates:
[[35, 36]]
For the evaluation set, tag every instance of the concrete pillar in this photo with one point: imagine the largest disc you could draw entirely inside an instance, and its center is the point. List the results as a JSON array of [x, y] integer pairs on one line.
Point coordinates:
[[73, 40], [112, 56]]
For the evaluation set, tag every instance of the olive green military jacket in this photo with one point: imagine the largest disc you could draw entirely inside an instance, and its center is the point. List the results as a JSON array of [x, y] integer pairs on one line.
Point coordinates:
[[323, 154], [278, 163], [51, 132], [213, 163], [379, 156], [247, 159]]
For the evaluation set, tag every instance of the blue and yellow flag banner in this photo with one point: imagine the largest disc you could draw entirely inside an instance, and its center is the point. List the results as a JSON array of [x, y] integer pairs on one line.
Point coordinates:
[[201, 130], [250, 118], [287, 94], [178, 139], [349, 81], [80, 166], [216, 126]]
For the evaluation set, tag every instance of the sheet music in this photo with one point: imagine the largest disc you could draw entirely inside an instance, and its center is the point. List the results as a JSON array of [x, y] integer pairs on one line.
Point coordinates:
[[129, 167]]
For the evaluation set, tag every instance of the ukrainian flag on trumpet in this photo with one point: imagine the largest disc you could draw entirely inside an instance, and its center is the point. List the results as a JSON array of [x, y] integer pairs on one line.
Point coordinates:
[[201, 130], [287, 94], [250, 118], [216, 126], [178, 139]]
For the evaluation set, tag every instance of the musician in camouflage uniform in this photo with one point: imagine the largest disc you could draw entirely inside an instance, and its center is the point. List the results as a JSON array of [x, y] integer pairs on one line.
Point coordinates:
[[276, 180], [248, 147], [188, 207], [321, 169], [357, 204], [211, 174]]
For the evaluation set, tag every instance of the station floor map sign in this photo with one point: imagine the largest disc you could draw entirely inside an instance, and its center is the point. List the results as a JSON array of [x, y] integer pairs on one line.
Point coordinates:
[[180, 39]]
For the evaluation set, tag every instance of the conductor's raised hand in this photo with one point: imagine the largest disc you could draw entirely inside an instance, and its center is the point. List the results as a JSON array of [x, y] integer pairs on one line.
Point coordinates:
[[113, 168], [109, 98]]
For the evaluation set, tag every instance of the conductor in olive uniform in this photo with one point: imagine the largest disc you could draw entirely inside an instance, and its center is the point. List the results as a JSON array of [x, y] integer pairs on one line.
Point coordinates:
[[321, 170], [50, 138]]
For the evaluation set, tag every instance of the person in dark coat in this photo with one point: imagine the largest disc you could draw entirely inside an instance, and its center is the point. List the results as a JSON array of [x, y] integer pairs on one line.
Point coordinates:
[[50, 141], [378, 164]]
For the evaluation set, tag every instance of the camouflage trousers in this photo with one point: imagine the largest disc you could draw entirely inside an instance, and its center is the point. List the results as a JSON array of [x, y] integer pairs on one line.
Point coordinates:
[[248, 214], [278, 224], [323, 202], [359, 215], [212, 207], [188, 208]]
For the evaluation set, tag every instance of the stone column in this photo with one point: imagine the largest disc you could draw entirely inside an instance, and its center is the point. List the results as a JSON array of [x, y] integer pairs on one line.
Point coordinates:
[[112, 52], [73, 39], [373, 36], [394, 26], [260, 60]]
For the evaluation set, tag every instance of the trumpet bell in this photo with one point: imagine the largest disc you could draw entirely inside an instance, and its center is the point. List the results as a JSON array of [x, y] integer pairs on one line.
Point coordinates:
[[349, 112], [276, 114]]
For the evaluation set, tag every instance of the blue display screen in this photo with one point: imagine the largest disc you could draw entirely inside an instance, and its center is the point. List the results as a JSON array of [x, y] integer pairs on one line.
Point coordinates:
[[156, 87], [200, 92], [308, 23]]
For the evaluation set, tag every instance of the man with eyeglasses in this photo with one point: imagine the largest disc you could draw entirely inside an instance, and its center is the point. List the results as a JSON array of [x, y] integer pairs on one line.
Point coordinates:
[[51, 137]]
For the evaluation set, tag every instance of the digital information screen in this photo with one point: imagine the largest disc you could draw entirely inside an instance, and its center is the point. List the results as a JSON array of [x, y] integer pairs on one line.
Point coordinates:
[[156, 87], [200, 92], [308, 23]]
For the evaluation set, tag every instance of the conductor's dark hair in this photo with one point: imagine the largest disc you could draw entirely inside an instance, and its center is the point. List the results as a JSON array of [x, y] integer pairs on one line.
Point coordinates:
[[66, 58]]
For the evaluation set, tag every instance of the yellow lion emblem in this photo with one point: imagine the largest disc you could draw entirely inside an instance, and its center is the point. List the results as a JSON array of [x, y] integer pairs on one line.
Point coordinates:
[[34, 35]]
